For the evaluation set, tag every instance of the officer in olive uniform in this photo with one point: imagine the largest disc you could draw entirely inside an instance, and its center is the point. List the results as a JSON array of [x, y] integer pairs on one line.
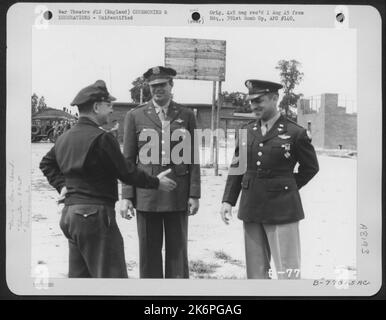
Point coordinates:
[[84, 166], [160, 121], [270, 204]]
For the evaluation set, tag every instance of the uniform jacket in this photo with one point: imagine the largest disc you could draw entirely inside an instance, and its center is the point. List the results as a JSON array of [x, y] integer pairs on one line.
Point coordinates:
[[269, 187], [144, 121], [88, 161]]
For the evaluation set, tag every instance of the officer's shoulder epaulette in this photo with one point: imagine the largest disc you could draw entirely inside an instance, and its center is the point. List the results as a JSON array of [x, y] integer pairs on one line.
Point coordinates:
[[295, 123], [139, 106], [248, 123], [181, 106]]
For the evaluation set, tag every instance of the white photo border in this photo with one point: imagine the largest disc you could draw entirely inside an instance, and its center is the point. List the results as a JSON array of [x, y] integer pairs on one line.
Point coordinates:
[[21, 18]]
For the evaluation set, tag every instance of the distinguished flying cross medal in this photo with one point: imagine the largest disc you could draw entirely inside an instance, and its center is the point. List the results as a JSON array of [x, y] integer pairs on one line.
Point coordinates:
[[287, 148]]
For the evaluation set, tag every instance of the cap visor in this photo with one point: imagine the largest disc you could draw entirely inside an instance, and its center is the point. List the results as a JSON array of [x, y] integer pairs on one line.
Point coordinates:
[[156, 81], [254, 96], [111, 98]]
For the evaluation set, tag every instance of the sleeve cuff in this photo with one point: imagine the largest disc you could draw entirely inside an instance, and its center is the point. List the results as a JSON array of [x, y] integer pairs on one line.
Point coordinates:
[[155, 182]]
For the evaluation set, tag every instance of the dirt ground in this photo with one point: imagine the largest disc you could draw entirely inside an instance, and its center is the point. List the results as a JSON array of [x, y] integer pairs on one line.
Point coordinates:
[[216, 250]]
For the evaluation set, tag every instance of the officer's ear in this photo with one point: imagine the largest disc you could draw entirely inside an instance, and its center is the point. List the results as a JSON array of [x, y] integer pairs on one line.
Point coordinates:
[[275, 97], [171, 82], [95, 107]]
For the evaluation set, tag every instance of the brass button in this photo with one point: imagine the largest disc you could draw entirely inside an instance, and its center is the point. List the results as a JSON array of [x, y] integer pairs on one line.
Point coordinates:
[[286, 187], [259, 153], [258, 163], [260, 144]]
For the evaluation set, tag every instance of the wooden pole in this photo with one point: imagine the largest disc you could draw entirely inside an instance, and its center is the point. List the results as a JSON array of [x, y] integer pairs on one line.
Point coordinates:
[[219, 100], [141, 96], [212, 123]]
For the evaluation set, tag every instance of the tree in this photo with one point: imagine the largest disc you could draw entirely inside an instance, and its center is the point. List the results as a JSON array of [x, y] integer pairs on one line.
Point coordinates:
[[135, 91], [238, 100], [42, 104], [290, 77], [34, 103]]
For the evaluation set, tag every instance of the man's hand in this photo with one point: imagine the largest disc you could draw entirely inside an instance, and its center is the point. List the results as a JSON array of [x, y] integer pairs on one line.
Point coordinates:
[[226, 212], [193, 205], [166, 184], [62, 195], [127, 209]]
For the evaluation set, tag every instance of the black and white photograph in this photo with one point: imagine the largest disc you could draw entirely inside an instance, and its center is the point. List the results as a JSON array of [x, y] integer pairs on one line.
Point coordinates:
[[225, 147]]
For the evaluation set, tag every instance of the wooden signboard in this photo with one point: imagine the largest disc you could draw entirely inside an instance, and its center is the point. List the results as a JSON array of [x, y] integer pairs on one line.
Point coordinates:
[[196, 59]]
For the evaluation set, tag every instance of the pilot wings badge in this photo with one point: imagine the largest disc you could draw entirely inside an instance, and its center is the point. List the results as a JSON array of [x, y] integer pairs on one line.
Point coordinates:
[[284, 136]]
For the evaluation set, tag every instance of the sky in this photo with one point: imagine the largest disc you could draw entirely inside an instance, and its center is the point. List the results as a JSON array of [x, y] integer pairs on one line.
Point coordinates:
[[67, 58]]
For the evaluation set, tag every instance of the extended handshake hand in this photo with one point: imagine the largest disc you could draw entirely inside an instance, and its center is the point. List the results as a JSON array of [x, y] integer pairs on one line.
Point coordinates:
[[166, 184]]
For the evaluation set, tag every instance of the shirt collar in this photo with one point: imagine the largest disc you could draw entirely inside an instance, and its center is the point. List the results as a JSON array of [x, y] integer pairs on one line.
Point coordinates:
[[87, 120], [158, 107], [271, 121]]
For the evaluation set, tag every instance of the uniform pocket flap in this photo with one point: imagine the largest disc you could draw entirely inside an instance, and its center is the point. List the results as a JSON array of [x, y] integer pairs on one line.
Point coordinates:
[[279, 186], [86, 212], [145, 128], [181, 169]]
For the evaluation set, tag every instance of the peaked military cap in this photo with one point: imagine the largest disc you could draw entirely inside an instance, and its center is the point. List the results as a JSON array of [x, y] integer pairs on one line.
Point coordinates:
[[159, 75], [257, 88], [93, 93]]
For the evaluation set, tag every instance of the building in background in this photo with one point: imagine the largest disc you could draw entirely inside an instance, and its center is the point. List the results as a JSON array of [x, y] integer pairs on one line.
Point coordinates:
[[330, 125], [203, 112]]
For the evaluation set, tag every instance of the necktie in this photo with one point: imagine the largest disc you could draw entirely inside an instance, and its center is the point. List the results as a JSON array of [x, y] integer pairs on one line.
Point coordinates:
[[162, 114], [264, 129]]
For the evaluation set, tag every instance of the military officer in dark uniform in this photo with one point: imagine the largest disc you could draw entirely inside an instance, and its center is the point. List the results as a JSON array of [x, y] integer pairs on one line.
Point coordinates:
[[270, 204], [160, 213], [84, 166]]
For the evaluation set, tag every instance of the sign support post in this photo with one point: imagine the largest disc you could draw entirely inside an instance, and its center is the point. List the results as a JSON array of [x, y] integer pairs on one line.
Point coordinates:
[[200, 59], [212, 124], [219, 103]]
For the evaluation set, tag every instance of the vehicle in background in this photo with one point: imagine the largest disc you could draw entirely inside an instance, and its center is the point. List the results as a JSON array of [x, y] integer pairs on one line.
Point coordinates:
[[50, 124]]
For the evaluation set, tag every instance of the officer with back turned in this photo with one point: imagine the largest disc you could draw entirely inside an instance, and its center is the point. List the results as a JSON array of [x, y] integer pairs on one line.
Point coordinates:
[[83, 166]]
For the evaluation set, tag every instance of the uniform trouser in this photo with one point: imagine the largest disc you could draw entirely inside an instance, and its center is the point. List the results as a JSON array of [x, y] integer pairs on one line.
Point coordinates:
[[95, 242], [281, 241], [151, 227]]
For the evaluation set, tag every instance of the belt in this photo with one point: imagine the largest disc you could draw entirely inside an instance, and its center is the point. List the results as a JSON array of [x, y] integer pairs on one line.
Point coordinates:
[[270, 173]]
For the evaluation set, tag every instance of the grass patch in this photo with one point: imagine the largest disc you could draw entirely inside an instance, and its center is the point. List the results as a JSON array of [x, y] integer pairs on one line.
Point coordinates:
[[202, 268], [227, 258]]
